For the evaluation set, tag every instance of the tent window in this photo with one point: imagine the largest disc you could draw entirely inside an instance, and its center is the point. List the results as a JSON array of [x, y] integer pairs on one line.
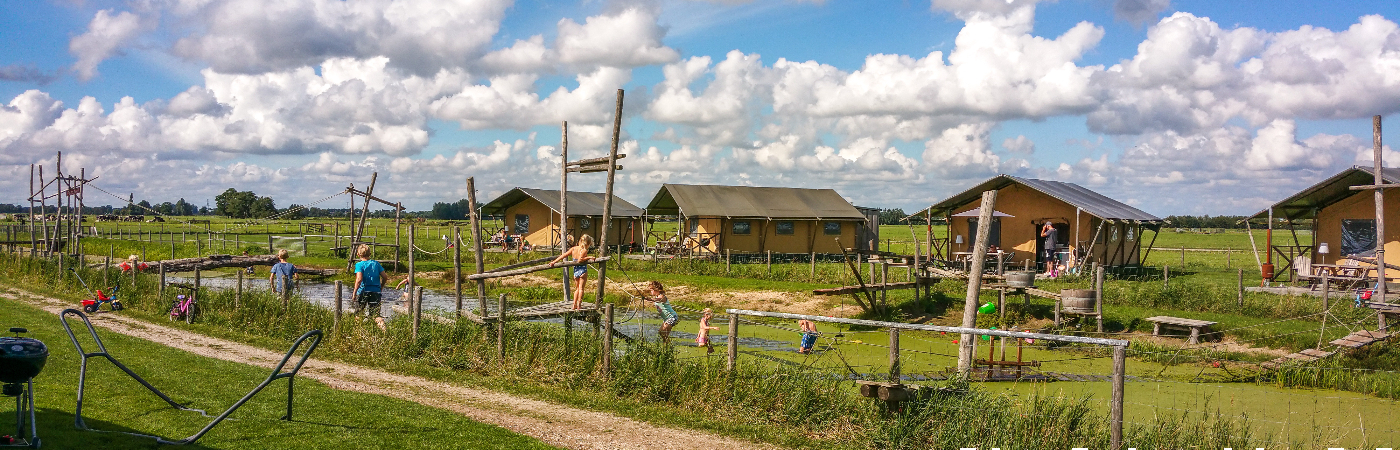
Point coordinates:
[[585, 223], [742, 227], [694, 225], [993, 238], [1358, 236], [832, 228], [785, 228], [522, 223]]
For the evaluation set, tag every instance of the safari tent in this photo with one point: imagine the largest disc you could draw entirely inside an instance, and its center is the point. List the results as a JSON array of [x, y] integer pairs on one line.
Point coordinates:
[[1343, 221], [759, 219], [1091, 226], [534, 215]]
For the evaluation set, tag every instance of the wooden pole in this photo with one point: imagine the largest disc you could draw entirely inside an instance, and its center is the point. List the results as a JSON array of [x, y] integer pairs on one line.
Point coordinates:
[[564, 191], [727, 260], [1166, 275], [339, 291], [974, 281], [417, 309], [1380, 218], [398, 231], [33, 246], [608, 340], [813, 271], [732, 342], [457, 265], [608, 199], [1098, 295], [1239, 292], [476, 245], [1120, 356], [159, 266], [769, 261], [501, 326], [238, 293], [894, 355], [411, 269]]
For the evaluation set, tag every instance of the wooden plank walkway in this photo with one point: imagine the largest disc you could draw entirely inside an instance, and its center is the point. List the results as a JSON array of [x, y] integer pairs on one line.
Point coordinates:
[[546, 310], [1354, 340], [873, 287]]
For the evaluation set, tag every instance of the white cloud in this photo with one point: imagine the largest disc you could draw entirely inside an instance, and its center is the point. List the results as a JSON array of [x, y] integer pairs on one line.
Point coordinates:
[[1019, 145], [1139, 11], [107, 33]]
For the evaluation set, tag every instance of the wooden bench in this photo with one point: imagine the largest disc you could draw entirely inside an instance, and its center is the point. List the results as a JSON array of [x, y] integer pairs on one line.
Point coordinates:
[[1196, 327]]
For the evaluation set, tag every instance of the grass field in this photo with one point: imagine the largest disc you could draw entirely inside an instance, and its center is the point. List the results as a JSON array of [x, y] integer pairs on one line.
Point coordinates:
[[325, 418]]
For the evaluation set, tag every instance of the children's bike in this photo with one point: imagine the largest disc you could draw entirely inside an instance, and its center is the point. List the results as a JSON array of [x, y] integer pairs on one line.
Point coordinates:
[[184, 306]]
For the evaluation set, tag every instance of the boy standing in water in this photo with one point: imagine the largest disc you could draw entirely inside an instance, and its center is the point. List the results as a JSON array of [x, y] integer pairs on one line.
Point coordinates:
[[368, 282], [282, 272], [702, 338], [657, 296], [809, 336], [578, 253]]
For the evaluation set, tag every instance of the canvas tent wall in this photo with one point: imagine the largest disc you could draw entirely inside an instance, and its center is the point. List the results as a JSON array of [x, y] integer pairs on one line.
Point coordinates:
[[534, 214], [869, 237], [1091, 226], [1343, 219], [759, 219]]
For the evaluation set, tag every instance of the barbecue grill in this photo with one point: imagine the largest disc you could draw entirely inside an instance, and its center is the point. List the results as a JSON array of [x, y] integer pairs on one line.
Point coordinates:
[[21, 359]]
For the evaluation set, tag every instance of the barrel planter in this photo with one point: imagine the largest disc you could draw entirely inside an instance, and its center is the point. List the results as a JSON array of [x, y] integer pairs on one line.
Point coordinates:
[[1077, 300], [1020, 279]]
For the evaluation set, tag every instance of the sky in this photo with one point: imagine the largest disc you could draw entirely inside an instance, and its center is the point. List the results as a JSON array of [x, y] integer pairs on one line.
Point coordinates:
[[1175, 107]]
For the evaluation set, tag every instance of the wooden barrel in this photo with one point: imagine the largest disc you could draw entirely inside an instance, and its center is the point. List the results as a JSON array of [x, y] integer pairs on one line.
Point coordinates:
[[1020, 279], [1077, 300]]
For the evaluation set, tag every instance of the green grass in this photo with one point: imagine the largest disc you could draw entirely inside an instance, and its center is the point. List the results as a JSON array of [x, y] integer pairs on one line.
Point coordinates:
[[325, 418]]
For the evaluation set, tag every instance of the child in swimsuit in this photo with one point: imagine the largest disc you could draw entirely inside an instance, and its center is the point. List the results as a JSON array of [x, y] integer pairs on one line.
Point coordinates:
[[809, 336], [578, 253], [657, 296], [702, 338]]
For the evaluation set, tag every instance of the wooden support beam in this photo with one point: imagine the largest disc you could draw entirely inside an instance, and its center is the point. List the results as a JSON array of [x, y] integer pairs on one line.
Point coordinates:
[[525, 270], [603, 161]]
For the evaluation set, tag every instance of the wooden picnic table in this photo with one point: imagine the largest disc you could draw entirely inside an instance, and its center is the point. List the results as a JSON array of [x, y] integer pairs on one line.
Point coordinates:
[[1196, 327]]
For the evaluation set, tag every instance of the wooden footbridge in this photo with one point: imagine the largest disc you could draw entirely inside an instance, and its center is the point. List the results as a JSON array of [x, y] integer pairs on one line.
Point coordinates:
[[1354, 340]]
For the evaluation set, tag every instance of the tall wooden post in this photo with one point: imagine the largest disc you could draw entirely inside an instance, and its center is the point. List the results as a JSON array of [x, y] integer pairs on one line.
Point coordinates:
[[894, 355], [812, 273], [398, 230], [608, 199], [1380, 218], [238, 293], [1166, 275], [733, 342], [417, 309], [564, 203], [974, 281], [1115, 414], [476, 245], [33, 246], [457, 265], [412, 271], [1098, 295], [501, 327], [160, 266], [608, 340], [339, 291], [1239, 293]]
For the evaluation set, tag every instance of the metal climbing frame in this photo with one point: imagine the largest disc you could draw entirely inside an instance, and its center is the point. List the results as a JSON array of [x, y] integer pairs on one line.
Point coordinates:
[[277, 373]]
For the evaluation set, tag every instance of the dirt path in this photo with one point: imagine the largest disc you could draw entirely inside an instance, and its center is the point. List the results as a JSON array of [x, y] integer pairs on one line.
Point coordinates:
[[556, 424]]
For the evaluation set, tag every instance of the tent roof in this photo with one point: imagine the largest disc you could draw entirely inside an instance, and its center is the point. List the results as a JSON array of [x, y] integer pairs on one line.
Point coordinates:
[[1305, 203], [580, 203], [1091, 202], [751, 202]]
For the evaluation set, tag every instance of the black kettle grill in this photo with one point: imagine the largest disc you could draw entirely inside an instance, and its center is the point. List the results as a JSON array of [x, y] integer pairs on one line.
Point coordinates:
[[21, 359]]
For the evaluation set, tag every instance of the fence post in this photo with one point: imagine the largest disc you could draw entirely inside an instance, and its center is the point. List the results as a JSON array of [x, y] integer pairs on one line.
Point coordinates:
[[607, 338], [197, 278], [418, 309], [770, 262], [814, 266], [1239, 291], [1166, 275], [1098, 296], [238, 294], [1120, 355], [339, 286], [733, 344], [726, 261], [501, 327], [894, 355], [457, 265], [1183, 256], [160, 266]]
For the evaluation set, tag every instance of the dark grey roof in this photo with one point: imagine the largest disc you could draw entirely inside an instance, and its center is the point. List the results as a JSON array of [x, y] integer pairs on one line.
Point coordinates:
[[751, 202], [580, 203], [1091, 202], [1305, 203]]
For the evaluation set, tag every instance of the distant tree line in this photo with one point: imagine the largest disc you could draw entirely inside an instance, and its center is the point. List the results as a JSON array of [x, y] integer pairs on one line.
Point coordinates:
[[451, 211], [1206, 221], [895, 216]]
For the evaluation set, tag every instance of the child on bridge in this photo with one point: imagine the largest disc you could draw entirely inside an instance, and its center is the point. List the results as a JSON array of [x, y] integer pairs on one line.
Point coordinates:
[[578, 253], [663, 306]]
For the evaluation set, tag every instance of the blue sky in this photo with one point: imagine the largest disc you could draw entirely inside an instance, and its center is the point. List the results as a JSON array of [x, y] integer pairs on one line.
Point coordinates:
[[1177, 107]]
